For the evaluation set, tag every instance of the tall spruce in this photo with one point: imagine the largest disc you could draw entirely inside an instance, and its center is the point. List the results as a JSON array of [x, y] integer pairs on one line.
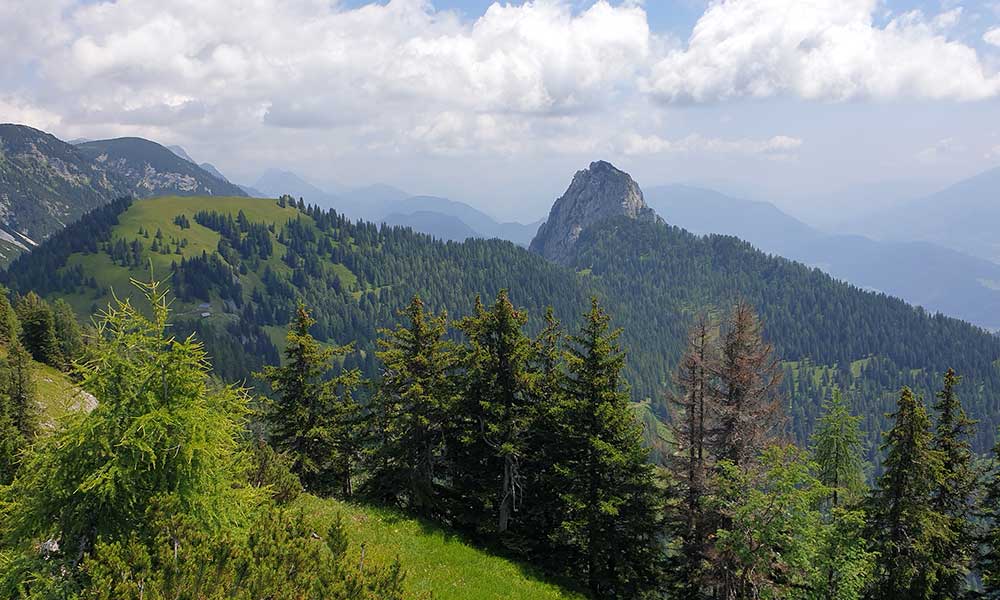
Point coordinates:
[[688, 515], [38, 330], [843, 561], [955, 494], [541, 509], [413, 408], [499, 407], [904, 526], [749, 378], [611, 503], [315, 418], [989, 560], [68, 333]]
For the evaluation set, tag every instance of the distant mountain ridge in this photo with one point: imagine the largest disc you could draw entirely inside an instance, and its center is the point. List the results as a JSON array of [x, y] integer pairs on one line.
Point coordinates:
[[924, 274], [963, 216], [382, 203], [46, 183], [153, 170], [595, 194]]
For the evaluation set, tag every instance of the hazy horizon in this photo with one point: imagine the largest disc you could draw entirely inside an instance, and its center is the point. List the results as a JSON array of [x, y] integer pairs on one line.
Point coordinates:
[[497, 105]]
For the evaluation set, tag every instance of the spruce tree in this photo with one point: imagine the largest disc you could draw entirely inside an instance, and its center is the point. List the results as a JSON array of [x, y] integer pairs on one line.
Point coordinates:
[[989, 561], [843, 561], [611, 503], [904, 526], [413, 410], [955, 494], [38, 330], [10, 327], [315, 417], [68, 332], [499, 409]]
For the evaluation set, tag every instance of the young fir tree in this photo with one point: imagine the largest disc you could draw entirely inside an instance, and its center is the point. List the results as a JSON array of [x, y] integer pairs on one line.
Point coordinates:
[[838, 450], [314, 418], [413, 410], [611, 521], [771, 529], [499, 410], [688, 515], [954, 496], [904, 527], [38, 330], [749, 378]]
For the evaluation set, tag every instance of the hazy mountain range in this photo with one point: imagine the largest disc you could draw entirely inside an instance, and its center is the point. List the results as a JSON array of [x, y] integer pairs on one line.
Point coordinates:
[[936, 277], [441, 217], [937, 252]]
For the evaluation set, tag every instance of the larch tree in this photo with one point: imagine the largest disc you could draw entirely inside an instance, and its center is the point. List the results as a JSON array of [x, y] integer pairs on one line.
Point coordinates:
[[844, 563]]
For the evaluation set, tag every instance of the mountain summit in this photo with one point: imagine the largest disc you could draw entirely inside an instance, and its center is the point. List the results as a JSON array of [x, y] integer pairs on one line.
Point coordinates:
[[596, 194]]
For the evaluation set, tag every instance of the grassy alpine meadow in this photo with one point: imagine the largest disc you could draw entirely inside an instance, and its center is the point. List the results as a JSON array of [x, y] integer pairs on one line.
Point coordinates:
[[437, 562]]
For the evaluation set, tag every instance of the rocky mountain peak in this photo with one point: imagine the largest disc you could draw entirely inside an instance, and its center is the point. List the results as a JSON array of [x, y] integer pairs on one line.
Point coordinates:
[[595, 194]]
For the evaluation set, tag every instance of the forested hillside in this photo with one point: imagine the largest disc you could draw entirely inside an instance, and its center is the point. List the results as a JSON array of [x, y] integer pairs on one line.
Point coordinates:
[[238, 266]]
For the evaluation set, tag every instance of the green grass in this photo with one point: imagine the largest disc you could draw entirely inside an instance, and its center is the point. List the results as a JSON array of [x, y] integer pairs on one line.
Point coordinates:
[[57, 395], [436, 561], [159, 213]]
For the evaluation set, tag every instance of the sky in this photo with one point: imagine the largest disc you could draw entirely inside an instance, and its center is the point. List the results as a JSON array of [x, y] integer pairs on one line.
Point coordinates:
[[806, 103]]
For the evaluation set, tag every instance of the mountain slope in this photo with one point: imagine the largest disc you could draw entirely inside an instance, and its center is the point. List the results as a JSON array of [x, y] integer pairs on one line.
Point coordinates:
[[653, 278], [436, 560], [925, 274], [962, 216], [442, 227], [150, 169], [45, 184]]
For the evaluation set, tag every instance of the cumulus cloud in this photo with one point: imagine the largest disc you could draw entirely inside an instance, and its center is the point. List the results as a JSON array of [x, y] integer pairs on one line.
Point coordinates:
[[820, 49], [992, 37], [777, 146], [548, 76]]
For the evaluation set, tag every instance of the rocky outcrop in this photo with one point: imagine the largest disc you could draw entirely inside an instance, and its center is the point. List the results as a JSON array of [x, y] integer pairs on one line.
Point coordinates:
[[597, 193]]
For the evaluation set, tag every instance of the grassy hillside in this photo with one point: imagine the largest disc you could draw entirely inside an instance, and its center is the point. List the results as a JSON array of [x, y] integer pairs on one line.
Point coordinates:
[[435, 560]]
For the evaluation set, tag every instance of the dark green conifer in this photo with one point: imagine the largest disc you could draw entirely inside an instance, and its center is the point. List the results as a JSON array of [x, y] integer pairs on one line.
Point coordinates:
[[904, 526], [955, 494], [413, 410], [315, 418], [612, 507], [38, 330], [498, 406]]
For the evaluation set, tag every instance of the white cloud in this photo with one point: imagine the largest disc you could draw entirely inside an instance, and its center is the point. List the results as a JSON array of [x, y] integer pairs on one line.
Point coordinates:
[[992, 37], [637, 144], [819, 49]]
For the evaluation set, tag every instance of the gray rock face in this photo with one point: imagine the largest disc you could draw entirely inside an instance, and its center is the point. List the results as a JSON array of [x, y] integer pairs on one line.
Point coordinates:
[[596, 194]]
